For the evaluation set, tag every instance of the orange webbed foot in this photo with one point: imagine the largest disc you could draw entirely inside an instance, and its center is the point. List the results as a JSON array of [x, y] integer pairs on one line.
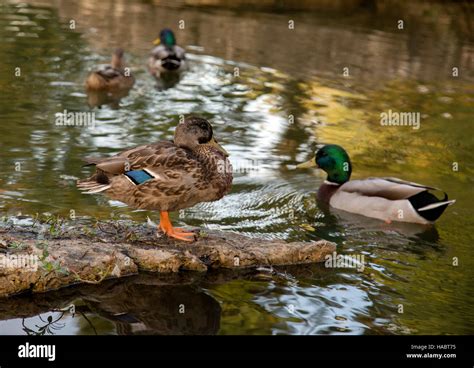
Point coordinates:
[[172, 232]]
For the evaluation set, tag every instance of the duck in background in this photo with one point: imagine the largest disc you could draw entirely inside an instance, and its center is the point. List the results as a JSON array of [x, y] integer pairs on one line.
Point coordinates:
[[110, 83], [113, 77], [387, 199], [166, 176], [166, 58]]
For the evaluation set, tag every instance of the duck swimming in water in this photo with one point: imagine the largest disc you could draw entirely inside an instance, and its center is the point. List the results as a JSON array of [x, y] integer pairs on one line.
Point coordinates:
[[166, 176], [166, 57], [111, 78], [387, 199]]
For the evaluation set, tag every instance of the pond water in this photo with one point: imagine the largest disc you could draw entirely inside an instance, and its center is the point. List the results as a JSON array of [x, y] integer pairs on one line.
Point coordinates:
[[273, 94]]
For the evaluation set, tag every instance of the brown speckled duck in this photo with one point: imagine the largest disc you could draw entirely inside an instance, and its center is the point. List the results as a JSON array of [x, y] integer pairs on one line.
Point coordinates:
[[166, 176], [111, 77]]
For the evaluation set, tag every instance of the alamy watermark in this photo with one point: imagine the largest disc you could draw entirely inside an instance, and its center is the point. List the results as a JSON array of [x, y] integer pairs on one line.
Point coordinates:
[[15, 261], [241, 166], [335, 260], [28, 350], [78, 118], [395, 118]]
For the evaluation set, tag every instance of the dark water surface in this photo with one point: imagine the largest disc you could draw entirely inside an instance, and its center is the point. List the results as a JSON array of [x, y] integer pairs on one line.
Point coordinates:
[[289, 96]]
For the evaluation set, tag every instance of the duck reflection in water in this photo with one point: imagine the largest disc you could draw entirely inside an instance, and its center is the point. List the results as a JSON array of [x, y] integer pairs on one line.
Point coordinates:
[[342, 219], [110, 98], [139, 305]]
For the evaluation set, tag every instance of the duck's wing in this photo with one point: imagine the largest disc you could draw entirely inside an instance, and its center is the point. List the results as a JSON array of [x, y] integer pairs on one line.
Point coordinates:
[[390, 199], [179, 52], [156, 177], [150, 156], [161, 52], [162, 162], [388, 188], [108, 72]]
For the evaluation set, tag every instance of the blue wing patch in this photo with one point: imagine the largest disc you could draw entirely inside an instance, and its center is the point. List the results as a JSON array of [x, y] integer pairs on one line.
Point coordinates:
[[138, 176]]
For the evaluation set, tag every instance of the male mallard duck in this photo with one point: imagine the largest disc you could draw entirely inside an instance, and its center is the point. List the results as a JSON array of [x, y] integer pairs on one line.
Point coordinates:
[[166, 56], [388, 199], [166, 176], [111, 77]]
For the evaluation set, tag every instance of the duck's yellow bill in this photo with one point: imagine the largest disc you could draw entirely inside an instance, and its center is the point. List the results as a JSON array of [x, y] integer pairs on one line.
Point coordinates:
[[214, 144], [307, 164], [156, 42]]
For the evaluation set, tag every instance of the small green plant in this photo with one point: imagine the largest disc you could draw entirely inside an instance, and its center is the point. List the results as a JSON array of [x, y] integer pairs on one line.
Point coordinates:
[[55, 225], [17, 245], [88, 231], [35, 219], [50, 266]]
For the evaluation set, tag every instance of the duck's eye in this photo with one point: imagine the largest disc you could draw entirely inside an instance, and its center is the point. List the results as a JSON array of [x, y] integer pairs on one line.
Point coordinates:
[[203, 140], [204, 126], [206, 136]]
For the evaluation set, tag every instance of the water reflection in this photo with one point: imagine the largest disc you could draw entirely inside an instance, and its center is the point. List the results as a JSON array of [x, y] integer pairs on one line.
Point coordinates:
[[167, 81], [99, 98], [343, 219], [140, 305], [46, 327]]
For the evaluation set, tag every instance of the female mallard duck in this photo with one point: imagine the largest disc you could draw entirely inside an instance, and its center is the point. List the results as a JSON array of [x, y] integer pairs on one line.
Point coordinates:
[[166, 176], [111, 77], [387, 199], [166, 57]]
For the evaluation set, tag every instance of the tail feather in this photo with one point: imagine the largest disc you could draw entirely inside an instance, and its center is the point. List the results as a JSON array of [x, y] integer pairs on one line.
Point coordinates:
[[435, 205], [92, 187], [428, 206]]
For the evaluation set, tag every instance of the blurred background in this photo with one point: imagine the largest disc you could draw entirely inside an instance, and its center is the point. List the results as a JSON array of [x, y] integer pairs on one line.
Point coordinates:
[[325, 81]]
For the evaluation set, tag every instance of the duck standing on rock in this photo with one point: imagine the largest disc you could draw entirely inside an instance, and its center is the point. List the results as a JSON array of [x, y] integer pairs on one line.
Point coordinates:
[[388, 199], [166, 176], [111, 78], [166, 57]]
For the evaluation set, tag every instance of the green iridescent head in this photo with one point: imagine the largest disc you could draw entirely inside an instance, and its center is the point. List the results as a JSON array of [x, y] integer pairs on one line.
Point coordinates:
[[334, 160], [167, 37]]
